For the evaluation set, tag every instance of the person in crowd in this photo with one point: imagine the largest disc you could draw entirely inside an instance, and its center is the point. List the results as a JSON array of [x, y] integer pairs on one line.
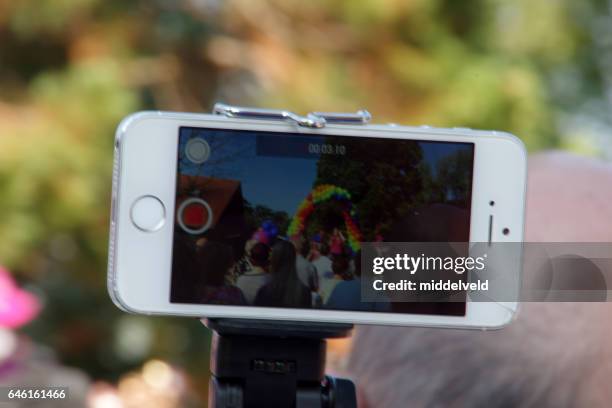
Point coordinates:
[[216, 261], [346, 295], [284, 288], [253, 279], [315, 245], [552, 355], [323, 263], [305, 270], [185, 270], [244, 263], [256, 275], [336, 242], [341, 272]]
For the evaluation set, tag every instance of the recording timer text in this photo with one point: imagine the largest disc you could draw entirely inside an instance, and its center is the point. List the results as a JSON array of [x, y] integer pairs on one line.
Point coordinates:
[[327, 148]]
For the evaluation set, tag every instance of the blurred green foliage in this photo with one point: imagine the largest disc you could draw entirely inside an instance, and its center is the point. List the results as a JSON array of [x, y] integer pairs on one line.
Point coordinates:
[[70, 70]]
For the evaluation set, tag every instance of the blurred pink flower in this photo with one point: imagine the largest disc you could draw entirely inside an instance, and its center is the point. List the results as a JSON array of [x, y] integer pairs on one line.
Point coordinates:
[[17, 307]]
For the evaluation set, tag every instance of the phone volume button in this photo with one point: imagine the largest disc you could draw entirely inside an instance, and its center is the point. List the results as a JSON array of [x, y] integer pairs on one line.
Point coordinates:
[[114, 209]]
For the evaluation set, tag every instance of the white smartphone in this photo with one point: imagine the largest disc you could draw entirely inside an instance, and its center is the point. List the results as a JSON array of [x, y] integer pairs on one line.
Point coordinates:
[[204, 206]]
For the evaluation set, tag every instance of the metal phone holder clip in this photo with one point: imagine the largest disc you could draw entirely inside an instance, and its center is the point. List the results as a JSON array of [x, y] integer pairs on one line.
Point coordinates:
[[315, 120]]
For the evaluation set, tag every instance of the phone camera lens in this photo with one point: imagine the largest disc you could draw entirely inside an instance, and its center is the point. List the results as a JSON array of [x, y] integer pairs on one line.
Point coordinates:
[[491, 203], [506, 231]]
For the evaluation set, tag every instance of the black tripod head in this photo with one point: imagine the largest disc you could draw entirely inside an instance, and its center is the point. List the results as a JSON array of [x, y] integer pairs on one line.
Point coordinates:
[[259, 363]]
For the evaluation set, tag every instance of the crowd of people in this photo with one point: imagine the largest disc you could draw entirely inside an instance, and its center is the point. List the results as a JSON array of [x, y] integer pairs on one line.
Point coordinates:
[[320, 272]]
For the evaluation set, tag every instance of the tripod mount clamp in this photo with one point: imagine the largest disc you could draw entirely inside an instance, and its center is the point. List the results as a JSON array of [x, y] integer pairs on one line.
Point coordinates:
[[259, 363]]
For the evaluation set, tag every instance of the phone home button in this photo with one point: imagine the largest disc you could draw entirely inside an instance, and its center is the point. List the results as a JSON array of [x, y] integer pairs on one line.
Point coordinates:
[[148, 213]]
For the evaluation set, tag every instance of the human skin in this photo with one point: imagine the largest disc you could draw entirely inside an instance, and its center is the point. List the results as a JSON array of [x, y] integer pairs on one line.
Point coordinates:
[[552, 354]]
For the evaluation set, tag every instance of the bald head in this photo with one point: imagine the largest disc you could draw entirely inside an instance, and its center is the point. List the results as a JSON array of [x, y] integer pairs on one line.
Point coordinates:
[[569, 199], [554, 354]]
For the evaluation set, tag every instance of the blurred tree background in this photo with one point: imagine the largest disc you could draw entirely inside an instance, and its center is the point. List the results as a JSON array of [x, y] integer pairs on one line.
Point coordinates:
[[70, 70]]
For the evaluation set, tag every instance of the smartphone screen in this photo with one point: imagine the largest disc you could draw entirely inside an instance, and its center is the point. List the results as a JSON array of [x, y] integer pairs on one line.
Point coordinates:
[[276, 219]]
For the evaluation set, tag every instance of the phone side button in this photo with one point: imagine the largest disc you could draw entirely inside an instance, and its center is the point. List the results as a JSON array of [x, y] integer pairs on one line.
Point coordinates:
[[114, 209]]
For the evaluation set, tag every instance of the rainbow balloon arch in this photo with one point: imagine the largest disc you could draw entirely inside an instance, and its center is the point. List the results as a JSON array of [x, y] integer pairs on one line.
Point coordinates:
[[320, 194]]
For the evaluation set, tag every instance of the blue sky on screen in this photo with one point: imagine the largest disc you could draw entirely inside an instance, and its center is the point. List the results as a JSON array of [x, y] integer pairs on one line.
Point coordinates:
[[277, 182]]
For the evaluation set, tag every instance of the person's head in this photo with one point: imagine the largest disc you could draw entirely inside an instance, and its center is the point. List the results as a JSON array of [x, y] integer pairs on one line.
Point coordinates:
[[341, 266], [260, 255], [216, 261], [301, 245], [549, 357], [553, 354], [282, 258], [285, 283], [324, 248], [248, 245], [315, 242]]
